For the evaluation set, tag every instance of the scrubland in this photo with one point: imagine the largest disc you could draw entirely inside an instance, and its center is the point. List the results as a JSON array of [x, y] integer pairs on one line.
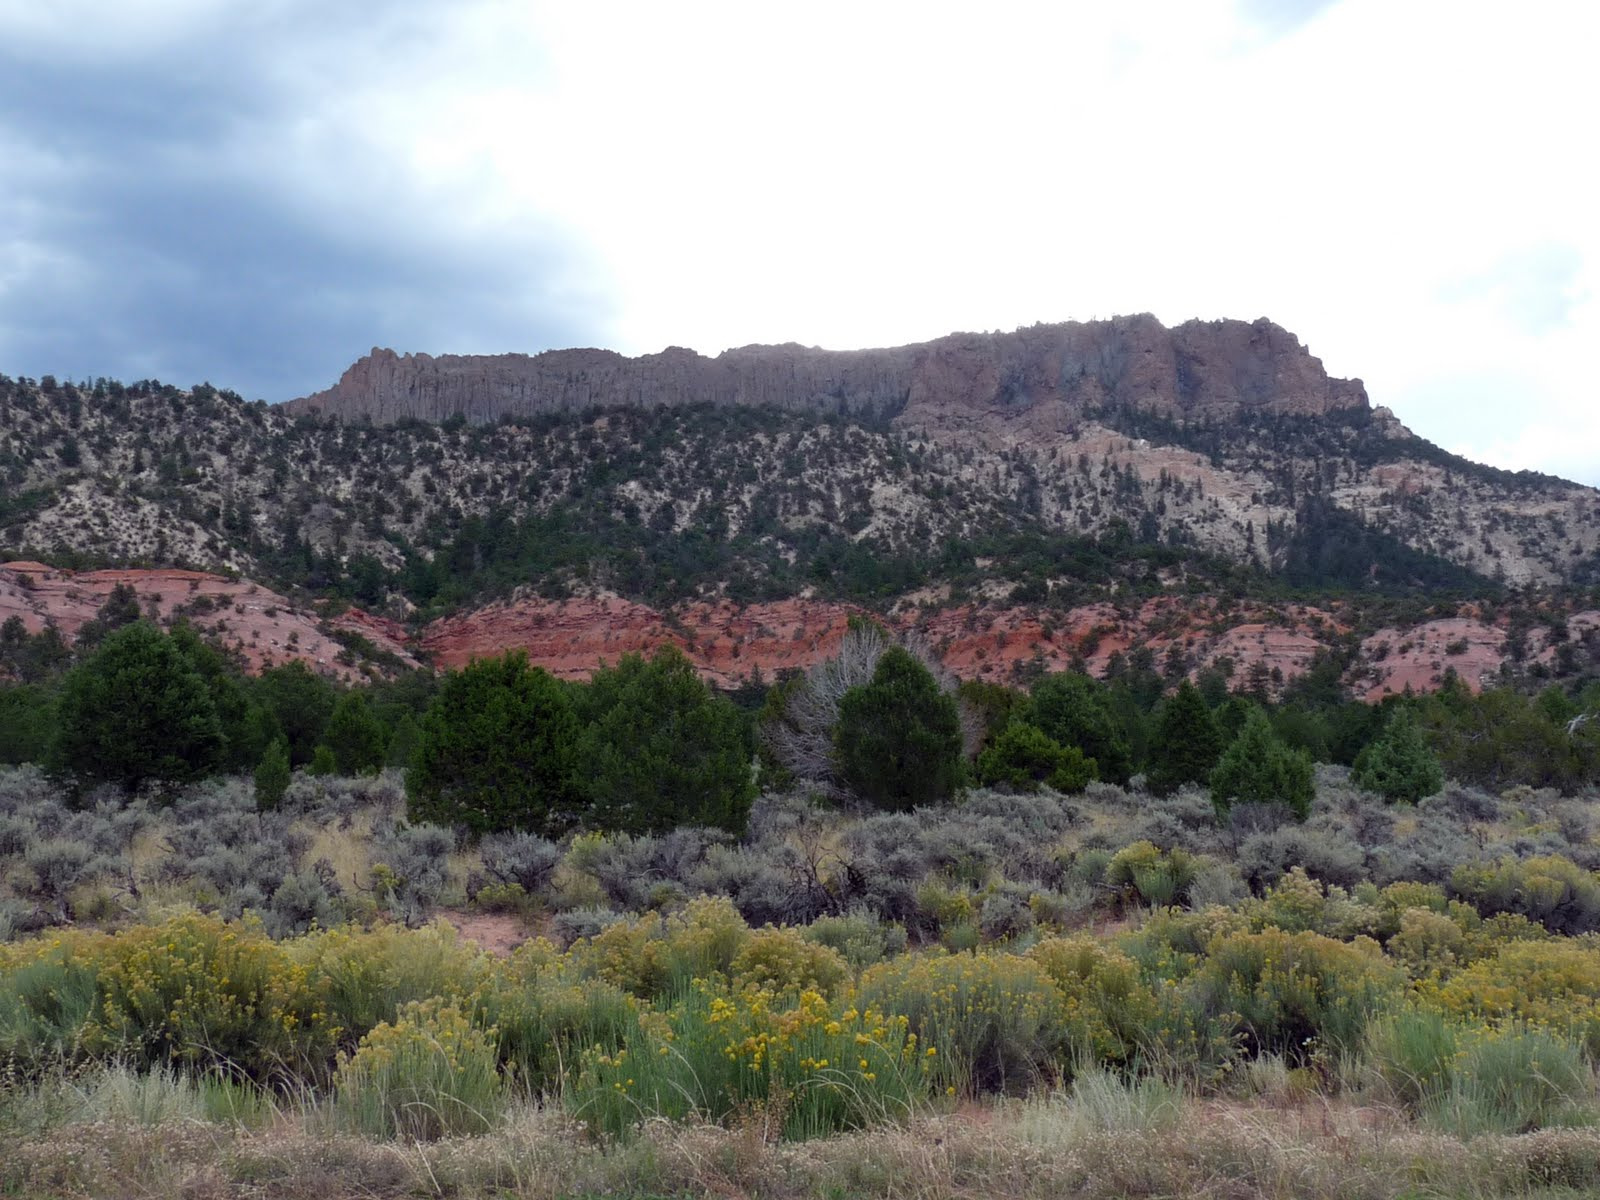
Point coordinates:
[[1105, 994]]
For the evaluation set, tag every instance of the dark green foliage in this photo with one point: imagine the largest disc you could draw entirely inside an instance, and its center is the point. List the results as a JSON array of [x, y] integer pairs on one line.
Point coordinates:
[[1500, 738], [1023, 757], [403, 741], [1331, 548], [27, 719], [496, 751], [1187, 742], [121, 607], [299, 703], [1398, 765], [995, 703], [661, 749], [246, 729], [136, 710], [898, 739], [272, 776], [1075, 710], [1259, 769], [31, 658], [355, 737]]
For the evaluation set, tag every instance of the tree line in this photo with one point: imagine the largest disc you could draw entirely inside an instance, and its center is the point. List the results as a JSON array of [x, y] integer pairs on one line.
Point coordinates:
[[646, 745]]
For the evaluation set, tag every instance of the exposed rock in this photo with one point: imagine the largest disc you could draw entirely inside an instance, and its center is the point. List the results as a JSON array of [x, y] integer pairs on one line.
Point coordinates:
[[260, 625], [1057, 373]]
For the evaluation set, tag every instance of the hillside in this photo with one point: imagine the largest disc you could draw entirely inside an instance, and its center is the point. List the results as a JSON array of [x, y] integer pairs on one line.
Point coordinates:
[[1043, 471]]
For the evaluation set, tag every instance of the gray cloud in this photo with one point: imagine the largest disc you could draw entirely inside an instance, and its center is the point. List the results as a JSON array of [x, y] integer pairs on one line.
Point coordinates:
[[164, 224]]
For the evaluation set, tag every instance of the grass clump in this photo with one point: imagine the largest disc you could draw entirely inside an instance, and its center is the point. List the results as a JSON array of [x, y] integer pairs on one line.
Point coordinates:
[[430, 1073]]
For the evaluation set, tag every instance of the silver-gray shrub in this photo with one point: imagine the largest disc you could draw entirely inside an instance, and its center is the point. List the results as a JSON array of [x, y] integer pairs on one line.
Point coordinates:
[[577, 923], [859, 936], [418, 859], [771, 884], [1327, 854], [522, 858]]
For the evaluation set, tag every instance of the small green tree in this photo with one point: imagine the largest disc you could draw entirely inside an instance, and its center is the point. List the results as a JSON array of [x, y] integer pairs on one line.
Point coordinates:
[[136, 710], [1023, 757], [1259, 769], [1076, 710], [355, 736], [27, 718], [1187, 744], [496, 750], [663, 750], [898, 739], [272, 776], [299, 703], [1397, 764]]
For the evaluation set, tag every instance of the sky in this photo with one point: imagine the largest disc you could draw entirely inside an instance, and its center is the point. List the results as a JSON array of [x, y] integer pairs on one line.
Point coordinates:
[[256, 194]]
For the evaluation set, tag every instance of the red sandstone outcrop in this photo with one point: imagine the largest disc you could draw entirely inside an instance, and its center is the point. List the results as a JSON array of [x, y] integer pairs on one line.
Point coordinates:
[[258, 623], [1056, 373], [728, 643]]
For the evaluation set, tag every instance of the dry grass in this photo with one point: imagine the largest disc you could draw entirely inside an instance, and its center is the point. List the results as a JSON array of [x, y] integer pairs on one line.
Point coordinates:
[[1225, 1151]]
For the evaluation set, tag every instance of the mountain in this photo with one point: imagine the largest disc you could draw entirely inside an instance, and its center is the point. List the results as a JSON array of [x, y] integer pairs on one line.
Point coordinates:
[[1047, 377], [1041, 472]]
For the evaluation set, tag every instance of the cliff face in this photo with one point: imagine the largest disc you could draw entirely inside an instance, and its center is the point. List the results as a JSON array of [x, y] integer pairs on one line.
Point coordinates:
[[1053, 374]]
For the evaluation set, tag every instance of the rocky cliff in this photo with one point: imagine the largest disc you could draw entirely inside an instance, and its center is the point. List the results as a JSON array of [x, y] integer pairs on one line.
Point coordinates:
[[1053, 374]]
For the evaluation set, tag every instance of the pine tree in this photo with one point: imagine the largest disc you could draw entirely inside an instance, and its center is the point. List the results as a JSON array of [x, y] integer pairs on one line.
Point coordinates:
[[663, 750], [136, 710], [898, 739], [1397, 764], [355, 736], [1188, 742], [1258, 768], [272, 776], [496, 751], [1076, 710]]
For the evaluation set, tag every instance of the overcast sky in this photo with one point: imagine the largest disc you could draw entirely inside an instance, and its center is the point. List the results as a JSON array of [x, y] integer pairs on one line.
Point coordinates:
[[256, 193]]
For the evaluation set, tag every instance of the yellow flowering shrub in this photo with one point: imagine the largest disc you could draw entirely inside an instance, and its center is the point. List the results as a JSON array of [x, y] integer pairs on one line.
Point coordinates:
[[544, 1024], [1287, 992], [1142, 872], [996, 1021], [427, 1074], [197, 989], [49, 995], [1548, 985], [800, 1067], [1427, 941], [653, 956], [1107, 1008], [365, 976], [783, 960]]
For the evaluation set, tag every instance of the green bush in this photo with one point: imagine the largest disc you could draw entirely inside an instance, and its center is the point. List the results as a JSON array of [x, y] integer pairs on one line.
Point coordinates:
[[898, 738], [1515, 1081], [1397, 764], [1187, 742], [136, 710], [994, 1021], [1258, 768], [662, 750], [1292, 993], [1154, 877], [1552, 890], [1022, 757], [497, 750]]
